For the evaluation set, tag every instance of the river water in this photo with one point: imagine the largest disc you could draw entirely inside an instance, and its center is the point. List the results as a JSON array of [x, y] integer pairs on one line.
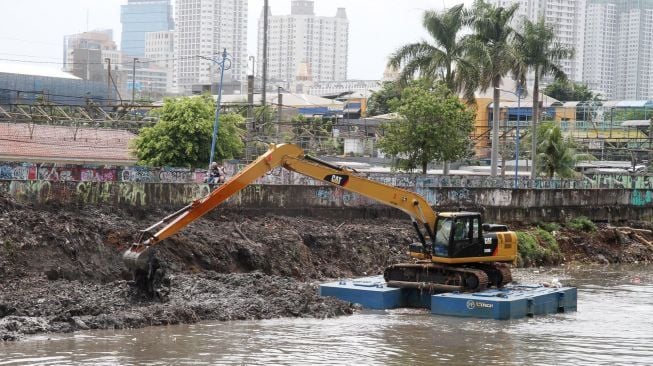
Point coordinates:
[[613, 325]]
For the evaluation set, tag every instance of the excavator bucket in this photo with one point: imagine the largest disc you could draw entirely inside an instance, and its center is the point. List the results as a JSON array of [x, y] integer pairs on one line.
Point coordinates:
[[149, 274]]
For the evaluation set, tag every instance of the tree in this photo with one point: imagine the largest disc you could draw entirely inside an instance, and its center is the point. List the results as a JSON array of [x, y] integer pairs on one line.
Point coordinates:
[[490, 46], [566, 91], [557, 154], [314, 135], [182, 137], [379, 102], [538, 52], [434, 125], [445, 58]]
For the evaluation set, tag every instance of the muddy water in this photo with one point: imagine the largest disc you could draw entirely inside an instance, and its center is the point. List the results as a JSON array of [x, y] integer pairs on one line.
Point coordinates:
[[614, 325]]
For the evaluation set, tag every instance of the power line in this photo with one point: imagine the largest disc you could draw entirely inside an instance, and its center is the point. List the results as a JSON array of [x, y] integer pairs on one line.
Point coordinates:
[[100, 63]]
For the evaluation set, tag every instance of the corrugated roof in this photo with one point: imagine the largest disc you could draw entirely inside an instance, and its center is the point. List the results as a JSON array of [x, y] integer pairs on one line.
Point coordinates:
[[634, 103], [289, 99], [35, 70], [63, 143], [636, 123]]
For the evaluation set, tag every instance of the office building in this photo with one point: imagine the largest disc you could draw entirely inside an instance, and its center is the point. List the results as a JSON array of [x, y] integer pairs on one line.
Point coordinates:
[[139, 17], [205, 28], [85, 54], [304, 47], [567, 17]]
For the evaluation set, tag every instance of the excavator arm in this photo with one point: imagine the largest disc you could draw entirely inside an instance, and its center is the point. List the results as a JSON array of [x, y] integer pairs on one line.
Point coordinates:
[[291, 157]]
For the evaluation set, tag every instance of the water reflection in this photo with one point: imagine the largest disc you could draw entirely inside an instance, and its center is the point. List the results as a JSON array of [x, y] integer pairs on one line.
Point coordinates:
[[612, 326]]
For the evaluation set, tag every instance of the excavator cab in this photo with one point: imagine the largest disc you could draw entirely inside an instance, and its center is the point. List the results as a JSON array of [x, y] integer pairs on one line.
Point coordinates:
[[462, 237], [458, 235]]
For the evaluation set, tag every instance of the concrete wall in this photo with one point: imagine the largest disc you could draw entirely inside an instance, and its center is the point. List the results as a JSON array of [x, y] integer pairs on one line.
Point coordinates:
[[280, 176], [501, 205]]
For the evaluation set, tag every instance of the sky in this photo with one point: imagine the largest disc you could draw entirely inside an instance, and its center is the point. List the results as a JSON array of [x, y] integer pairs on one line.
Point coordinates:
[[33, 30]]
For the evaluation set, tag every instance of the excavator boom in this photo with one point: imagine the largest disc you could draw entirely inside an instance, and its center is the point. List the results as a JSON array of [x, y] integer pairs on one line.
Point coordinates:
[[292, 158]]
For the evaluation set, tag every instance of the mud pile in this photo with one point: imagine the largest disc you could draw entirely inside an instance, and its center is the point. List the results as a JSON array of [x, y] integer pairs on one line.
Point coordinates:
[[61, 267]]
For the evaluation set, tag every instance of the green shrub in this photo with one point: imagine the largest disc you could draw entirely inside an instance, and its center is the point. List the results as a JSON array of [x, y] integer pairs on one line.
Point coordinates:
[[581, 223], [549, 226], [537, 248], [530, 251]]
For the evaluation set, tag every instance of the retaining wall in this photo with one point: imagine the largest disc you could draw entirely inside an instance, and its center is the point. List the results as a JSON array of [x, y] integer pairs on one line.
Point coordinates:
[[504, 205], [90, 173]]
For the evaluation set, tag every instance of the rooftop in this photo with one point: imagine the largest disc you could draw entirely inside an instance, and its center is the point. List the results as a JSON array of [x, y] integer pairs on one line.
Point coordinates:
[[64, 144], [35, 70]]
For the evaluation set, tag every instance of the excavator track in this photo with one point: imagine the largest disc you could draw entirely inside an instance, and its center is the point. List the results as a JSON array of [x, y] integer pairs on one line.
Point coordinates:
[[436, 278], [498, 273]]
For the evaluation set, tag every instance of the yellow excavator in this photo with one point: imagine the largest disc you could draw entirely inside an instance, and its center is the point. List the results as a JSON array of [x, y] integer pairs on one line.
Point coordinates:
[[455, 252]]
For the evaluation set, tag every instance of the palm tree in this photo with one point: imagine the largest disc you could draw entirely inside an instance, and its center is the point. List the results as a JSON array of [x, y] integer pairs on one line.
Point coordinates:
[[445, 58], [537, 51], [491, 47], [557, 154]]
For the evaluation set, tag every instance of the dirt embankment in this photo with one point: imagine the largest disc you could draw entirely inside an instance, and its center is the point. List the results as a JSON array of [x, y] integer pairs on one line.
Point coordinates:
[[61, 268]]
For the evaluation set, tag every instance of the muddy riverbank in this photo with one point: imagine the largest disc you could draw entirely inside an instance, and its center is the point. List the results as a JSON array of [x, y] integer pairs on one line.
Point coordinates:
[[61, 268]]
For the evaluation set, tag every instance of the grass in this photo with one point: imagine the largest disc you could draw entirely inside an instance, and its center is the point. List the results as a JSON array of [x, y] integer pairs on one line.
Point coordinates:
[[549, 226], [581, 223]]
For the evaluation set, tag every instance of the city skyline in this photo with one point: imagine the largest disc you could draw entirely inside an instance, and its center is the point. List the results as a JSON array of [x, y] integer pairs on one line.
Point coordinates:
[[373, 31]]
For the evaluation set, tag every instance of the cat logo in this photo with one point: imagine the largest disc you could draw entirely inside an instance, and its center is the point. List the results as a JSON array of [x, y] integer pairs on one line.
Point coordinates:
[[339, 179]]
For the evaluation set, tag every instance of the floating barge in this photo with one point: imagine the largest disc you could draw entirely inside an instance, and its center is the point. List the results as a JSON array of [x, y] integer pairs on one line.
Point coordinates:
[[510, 302]]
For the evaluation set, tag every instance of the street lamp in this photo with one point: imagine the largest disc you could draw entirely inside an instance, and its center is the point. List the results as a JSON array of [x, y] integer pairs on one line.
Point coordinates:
[[225, 64], [519, 98], [134, 80]]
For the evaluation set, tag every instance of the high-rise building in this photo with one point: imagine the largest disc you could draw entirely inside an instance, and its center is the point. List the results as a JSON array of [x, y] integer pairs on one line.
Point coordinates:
[[619, 48], [305, 47], [159, 51], [139, 17], [84, 54], [567, 17], [599, 64], [205, 28]]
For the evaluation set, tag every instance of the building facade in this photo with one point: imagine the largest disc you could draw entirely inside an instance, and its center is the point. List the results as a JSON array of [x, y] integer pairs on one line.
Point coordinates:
[[85, 54], [618, 49], [139, 17], [600, 43], [205, 28], [160, 52], [567, 17], [305, 47], [30, 84]]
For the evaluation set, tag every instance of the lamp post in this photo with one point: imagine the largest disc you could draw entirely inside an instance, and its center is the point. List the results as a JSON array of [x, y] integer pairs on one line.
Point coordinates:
[[519, 98], [225, 64], [134, 80]]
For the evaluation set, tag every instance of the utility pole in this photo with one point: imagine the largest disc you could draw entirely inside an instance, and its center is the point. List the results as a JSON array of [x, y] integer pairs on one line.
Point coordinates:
[[225, 64], [279, 109], [134, 80], [250, 103], [265, 55], [108, 60]]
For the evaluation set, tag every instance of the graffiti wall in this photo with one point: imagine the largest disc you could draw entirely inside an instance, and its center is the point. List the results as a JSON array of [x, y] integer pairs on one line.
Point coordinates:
[[496, 204], [280, 176]]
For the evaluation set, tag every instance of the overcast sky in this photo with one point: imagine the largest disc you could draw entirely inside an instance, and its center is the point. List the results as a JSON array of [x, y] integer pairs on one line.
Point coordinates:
[[33, 29]]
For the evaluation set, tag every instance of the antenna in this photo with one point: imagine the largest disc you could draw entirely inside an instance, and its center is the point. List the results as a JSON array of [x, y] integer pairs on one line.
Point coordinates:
[[87, 11]]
